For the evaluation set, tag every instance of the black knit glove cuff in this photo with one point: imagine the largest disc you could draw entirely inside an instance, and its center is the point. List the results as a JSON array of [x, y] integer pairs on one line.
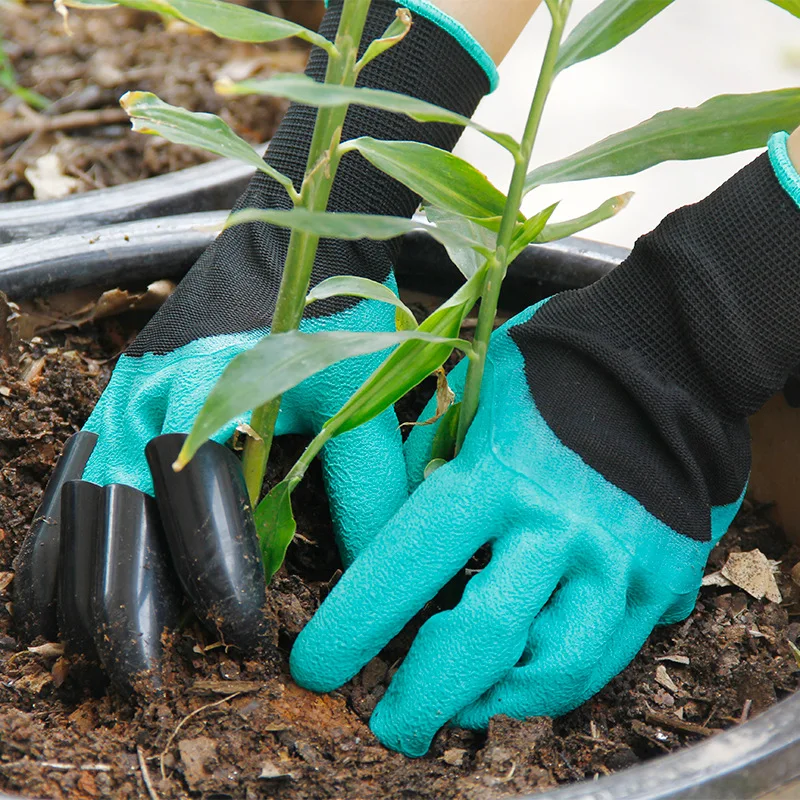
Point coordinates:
[[234, 285], [672, 350]]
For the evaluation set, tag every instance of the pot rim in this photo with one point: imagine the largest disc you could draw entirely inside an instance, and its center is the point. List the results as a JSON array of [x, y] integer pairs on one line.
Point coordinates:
[[205, 187], [149, 249], [742, 762]]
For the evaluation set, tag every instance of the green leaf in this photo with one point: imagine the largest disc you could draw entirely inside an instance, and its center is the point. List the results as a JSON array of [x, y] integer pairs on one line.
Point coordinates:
[[606, 210], [410, 363], [792, 6], [437, 176], [605, 27], [795, 651], [275, 525], [303, 89], [722, 125], [8, 81], [352, 286], [280, 361], [529, 231], [432, 466], [150, 114], [444, 441], [346, 226], [464, 256], [226, 20], [393, 35]]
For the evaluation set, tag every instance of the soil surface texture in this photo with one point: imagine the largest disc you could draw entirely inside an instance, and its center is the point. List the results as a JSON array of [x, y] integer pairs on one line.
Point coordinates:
[[229, 727], [83, 134]]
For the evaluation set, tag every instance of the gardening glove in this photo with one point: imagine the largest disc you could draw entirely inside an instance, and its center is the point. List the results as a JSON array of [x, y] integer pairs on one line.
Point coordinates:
[[609, 454], [225, 305]]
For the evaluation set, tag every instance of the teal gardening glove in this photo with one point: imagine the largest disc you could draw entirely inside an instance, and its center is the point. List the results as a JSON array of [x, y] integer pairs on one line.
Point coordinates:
[[222, 308], [609, 454]]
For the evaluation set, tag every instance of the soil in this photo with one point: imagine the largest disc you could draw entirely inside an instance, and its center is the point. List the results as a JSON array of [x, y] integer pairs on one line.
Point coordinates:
[[229, 727], [109, 53]]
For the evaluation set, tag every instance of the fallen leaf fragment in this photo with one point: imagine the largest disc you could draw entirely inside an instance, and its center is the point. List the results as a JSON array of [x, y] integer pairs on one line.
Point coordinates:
[[715, 579], [454, 757], [662, 677], [59, 671], [5, 577], [753, 572], [46, 176], [675, 659], [272, 772], [48, 650], [445, 397]]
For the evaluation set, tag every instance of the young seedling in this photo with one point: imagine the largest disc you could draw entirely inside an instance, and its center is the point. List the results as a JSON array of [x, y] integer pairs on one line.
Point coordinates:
[[9, 82], [482, 228]]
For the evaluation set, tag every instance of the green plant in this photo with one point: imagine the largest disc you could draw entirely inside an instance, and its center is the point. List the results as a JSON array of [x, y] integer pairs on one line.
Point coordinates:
[[482, 228], [8, 75]]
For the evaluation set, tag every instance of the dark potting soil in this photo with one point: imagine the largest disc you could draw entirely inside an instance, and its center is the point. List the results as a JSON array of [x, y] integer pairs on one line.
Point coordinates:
[[229, 727], [109, 53]]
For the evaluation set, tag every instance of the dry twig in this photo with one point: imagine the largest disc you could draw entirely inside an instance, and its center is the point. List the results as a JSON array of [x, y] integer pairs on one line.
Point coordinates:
[[15, 130], [151, 790], [667, 721]]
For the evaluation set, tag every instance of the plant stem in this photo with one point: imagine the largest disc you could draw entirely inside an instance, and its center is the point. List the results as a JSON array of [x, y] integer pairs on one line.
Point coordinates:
[[498, 264], [323, 160]]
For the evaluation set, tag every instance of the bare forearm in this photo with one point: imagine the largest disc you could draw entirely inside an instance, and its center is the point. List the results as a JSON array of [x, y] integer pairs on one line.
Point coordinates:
[[496, 24], [794, 148]]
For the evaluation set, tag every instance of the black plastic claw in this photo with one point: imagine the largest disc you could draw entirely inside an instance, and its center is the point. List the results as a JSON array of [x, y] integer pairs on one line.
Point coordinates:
[[136, 596], [36, 564], [212, 538], [81, 517]]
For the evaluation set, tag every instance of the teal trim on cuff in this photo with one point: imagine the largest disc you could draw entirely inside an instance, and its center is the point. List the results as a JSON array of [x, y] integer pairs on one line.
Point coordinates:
[[785, 170], [425, 8]]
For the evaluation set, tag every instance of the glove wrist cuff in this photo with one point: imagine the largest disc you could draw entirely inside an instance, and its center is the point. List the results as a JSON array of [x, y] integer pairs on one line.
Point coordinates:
[[426, 9], [785, 170]]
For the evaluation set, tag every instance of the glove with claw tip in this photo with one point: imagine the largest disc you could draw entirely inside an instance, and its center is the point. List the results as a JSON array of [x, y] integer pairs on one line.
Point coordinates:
[[589, 546], [224, 306]]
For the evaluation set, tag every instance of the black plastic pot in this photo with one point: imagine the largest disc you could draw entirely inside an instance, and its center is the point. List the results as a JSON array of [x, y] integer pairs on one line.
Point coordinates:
[[145, 250], [740, 764], [215, 185]]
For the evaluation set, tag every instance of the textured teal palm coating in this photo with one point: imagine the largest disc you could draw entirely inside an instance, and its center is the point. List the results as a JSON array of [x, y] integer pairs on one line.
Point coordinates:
[[158, 394], [580, 574]]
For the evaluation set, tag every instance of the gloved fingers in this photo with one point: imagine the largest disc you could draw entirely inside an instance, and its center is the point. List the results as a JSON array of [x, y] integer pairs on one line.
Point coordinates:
[[679, 609], [294, 416], [425, 544], [125, 420], [365, 477], [420, 440], [567, 640], [459, 655], [631, 634]]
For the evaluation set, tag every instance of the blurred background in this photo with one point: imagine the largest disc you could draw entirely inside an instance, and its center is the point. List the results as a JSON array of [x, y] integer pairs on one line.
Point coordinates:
[[691, 51]]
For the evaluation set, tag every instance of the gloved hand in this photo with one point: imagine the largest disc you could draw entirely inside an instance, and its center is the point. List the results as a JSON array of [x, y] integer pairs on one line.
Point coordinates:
[[223, 307], [609, 454]]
